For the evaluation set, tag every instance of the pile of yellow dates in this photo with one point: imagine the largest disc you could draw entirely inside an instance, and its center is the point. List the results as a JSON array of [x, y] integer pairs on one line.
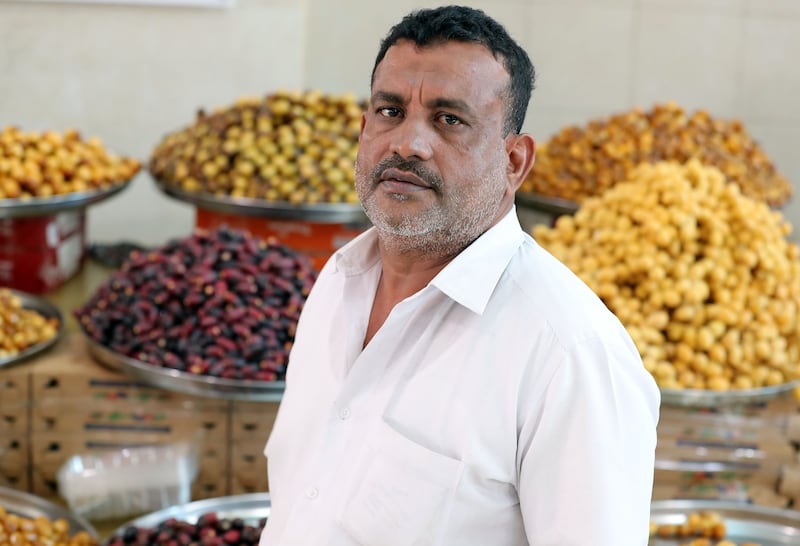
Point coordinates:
[[48, 163], [22, 328], [295, 147], [41, 531], [703, 278], [704, 529], [580, 162]]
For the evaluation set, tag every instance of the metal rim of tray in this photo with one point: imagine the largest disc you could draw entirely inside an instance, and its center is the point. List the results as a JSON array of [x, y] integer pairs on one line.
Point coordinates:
[[249, 507], [31, 506], [778, 525], [48, 310], [546, 203], [325, 213], [708, 398], [187, 383], [42, 206], [744, 522]]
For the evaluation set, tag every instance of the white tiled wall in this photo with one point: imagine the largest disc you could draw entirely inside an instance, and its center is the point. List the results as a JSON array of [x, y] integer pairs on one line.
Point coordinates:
[[130, 74], [692, 57]]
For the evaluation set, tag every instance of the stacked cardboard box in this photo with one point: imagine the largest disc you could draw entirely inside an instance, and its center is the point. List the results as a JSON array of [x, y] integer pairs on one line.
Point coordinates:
[[64, 403], [251, 423], [743, 453]]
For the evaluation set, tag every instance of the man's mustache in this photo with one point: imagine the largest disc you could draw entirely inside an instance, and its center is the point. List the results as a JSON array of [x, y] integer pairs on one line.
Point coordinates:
[[415, 167]]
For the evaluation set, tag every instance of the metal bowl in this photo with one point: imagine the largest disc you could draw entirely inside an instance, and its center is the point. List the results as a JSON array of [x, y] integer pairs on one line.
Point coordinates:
[[44, 308], [249, 507], [708, 398], [43, 206], [187, 383], [325, 213], [743, 522], [546, 203], [30, 507], [768, 526]]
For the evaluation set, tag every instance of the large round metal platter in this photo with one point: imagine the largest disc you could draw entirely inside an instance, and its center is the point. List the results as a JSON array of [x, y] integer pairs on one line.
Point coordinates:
[[42, 206], [250, 507], [708, 398], [44, 308], [187, 383], [324, 213], [545, 203], [30, 507], [743, 522]]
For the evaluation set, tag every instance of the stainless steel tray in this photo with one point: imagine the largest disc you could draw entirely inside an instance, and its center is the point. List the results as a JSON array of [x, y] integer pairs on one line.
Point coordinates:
[[249, 507], [42, 206], [188, 383], [707, 398], [545, 203], [324, 213], [744, 522], [30, 506], [45, 308]]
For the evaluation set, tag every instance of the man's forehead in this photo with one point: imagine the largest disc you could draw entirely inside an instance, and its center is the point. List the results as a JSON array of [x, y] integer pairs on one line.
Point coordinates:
[[446, 64]]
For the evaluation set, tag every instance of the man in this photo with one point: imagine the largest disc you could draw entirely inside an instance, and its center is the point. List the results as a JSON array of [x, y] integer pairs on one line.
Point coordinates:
[[451, 383]]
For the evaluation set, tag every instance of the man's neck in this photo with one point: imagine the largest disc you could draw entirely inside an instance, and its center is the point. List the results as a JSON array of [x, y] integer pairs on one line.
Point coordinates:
[[403, 274], [406, 273]]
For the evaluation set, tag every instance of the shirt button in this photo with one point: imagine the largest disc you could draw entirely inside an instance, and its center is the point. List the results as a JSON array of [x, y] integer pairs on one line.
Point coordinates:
[[312, 493], [344, 413]]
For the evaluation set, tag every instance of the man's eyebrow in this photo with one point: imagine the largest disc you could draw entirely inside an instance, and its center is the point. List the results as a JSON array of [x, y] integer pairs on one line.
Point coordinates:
[[451, 104], [440, 102], [387, 96]]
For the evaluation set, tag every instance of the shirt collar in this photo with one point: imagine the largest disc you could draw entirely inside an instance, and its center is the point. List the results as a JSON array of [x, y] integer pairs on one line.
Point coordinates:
[[472, 276], [359, 255], [469, 279]]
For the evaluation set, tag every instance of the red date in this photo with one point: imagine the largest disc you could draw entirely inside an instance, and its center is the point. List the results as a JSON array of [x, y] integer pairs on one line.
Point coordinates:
[[219, 303]]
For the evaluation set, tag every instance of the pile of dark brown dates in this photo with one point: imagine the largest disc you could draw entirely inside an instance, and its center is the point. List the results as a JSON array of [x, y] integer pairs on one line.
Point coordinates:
[[219, 303], [209, 530]]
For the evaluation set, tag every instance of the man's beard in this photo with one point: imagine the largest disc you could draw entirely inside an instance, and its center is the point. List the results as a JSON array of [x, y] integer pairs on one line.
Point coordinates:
[[447, 227]]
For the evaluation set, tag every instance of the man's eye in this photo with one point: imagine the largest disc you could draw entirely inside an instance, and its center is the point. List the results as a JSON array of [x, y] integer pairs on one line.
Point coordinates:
[[389, 112], [449, 119]]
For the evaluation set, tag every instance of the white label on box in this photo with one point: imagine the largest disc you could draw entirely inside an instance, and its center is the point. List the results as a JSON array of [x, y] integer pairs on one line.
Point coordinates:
[[287, 228], [51, 234], [7, 227], [68, 223], [6, 270], [69, 254], [49, 273]]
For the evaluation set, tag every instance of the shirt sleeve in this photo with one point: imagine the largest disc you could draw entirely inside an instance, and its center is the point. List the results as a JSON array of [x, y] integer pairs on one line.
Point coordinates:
[[586, 457]]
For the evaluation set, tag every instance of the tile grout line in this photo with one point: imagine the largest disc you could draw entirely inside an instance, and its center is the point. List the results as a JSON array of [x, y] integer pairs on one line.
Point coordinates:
[[636, 23], [740, 68]]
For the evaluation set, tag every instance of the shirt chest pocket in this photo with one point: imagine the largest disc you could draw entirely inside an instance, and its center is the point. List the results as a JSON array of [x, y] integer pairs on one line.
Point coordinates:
[[404, 494]]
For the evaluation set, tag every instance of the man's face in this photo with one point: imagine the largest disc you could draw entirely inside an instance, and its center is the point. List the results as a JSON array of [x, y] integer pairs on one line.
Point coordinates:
[[432, 163]]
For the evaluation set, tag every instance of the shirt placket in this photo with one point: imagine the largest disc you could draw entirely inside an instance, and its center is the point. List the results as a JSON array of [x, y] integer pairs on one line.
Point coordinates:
[[350, 421]]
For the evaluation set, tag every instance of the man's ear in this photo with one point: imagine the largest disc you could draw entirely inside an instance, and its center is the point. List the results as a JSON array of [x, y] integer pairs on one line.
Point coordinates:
[[521, 150]]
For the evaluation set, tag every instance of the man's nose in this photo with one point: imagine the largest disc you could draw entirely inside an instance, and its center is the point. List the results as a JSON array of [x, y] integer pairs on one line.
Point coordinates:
[[412, 139]]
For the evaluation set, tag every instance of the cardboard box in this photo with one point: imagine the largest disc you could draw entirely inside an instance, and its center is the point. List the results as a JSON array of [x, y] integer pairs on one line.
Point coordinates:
[[77, 406], [253, 421], [251, 425], [14, 387], [14, 470], [248, 468], [726, 491]]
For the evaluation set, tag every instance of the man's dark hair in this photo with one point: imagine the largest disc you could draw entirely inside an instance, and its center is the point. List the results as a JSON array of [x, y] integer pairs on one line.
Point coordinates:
[[463, 24]]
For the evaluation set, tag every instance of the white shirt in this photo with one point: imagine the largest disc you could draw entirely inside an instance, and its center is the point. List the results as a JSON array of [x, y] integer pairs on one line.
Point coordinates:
[[502, 405]]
